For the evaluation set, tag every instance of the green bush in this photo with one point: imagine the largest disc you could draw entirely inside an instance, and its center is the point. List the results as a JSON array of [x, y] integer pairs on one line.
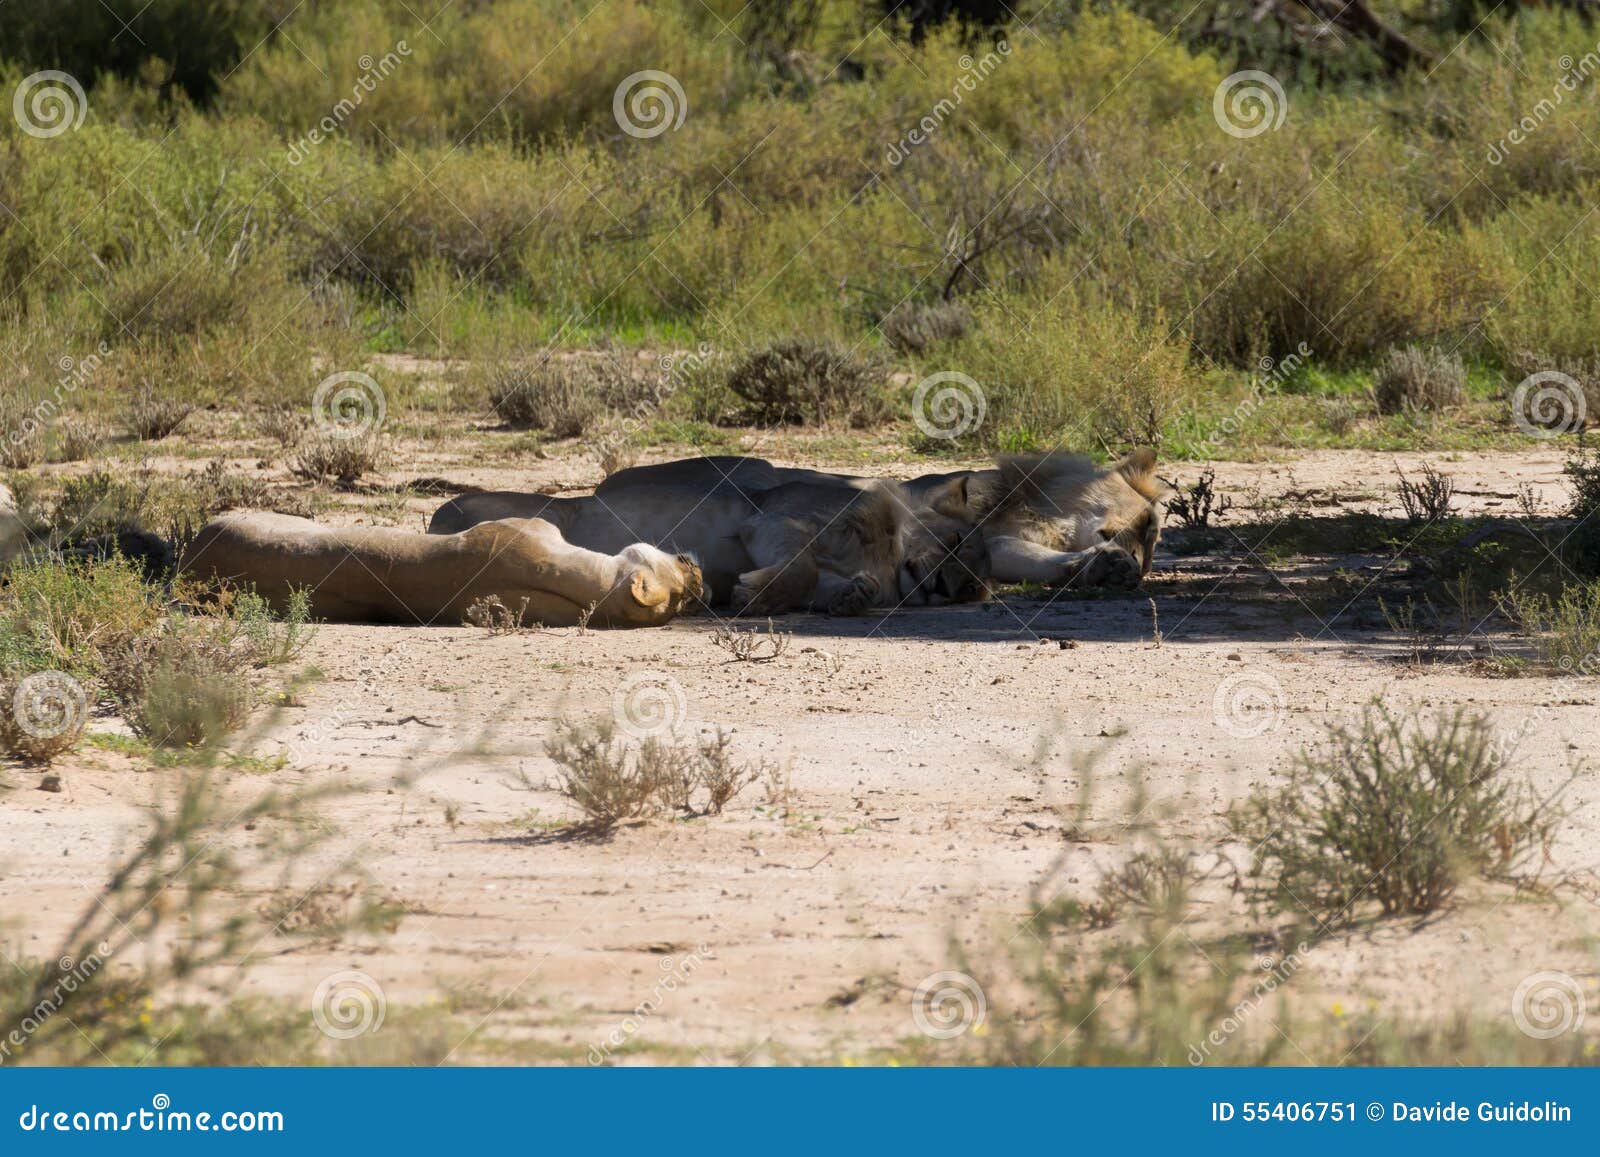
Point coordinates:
[[1394, 813]]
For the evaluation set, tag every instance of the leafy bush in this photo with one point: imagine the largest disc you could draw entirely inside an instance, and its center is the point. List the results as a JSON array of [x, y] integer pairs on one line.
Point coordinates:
[[801, 382], [1078, 376], [1412, 379], [194, 44], [1393, 812], [1583, 468]]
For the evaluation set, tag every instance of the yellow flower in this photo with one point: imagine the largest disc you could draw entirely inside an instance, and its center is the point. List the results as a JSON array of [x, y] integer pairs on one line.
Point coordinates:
[[1338, 1009]]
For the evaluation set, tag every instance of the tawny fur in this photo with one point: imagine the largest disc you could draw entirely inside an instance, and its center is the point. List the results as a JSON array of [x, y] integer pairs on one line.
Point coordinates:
[[376, 574]]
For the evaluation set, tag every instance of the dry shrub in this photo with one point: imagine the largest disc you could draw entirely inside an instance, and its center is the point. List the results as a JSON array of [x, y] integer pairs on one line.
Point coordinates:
[[495, 617], [1395, 812], [150, 416], [1428, 498], [21, 443], [915, 329], [1413, 379], [183, 685], [1565, 627], [187, 682], [613, 780], [39, 721], [558, 398], [805, 382], [325, 455], [73, 439], [285, 424]]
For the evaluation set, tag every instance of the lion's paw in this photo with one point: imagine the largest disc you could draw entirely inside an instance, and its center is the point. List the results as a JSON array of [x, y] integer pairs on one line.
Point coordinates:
[[1108, 568], [856, 598]]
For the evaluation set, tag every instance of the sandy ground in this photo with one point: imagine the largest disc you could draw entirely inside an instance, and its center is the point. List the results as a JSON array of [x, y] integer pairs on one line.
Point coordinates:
[[917, 808]]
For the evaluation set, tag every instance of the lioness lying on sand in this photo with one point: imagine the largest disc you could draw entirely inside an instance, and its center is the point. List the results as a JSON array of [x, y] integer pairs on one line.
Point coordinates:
[[820, 541], [368, 574], [1055, 519]]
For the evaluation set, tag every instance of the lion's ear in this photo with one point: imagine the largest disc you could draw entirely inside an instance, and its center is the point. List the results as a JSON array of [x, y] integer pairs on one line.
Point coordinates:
[[1138, 469], [646, 591], [951, 499], [1138, 462]]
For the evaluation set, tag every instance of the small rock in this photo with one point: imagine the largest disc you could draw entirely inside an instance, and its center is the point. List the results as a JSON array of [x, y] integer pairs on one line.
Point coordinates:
[[51, 782], [1235, 657]]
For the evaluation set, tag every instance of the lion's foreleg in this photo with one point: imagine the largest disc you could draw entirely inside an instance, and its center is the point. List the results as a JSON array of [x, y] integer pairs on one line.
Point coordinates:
[[1016, 560]]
